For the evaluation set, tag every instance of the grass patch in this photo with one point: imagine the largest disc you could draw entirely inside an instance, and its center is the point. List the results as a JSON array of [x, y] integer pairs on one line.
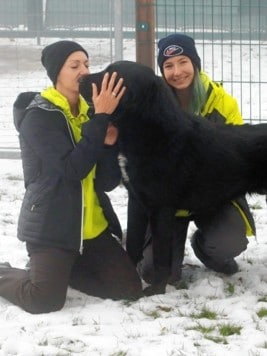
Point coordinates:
[[181, 285], [203, 329], [230, 288], [262, 299], [229, 329], [205, 313], [262, 313]]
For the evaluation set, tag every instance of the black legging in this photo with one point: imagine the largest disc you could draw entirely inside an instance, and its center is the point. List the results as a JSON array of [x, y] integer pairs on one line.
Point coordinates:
[[103, 270]]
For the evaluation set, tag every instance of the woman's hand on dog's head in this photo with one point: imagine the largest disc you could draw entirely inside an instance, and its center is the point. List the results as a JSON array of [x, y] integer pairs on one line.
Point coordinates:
[[110, 94]]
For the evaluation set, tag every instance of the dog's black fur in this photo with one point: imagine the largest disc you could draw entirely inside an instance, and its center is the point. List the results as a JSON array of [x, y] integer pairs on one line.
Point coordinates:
[[179, 161]]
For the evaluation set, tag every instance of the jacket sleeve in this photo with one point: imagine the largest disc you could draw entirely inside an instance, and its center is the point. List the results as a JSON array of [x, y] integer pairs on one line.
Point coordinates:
[[108, 174], [49, 138], [230, 110], [220, 106]]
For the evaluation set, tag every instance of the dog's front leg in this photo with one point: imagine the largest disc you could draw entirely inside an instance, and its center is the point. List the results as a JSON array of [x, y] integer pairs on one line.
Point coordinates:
[[163, 229]]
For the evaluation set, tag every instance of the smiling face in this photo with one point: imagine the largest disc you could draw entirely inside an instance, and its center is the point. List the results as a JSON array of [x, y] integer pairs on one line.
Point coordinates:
[[179, 72]]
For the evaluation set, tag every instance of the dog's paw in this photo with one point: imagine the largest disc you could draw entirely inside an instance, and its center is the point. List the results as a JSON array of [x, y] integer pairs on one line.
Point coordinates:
[[154, 289]]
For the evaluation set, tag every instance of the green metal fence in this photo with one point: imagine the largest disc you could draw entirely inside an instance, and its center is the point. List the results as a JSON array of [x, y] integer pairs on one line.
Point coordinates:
[[231, 37], [215, 19]]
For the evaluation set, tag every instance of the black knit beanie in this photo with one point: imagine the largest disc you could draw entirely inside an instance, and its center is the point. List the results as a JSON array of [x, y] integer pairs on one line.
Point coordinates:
[[175, 45], [55, 55]]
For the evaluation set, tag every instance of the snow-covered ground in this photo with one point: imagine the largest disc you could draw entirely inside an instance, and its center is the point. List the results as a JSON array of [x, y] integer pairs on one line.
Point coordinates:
[[210, 315]]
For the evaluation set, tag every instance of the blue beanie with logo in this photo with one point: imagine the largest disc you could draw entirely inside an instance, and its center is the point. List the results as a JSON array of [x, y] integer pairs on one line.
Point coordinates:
[[176, 45]]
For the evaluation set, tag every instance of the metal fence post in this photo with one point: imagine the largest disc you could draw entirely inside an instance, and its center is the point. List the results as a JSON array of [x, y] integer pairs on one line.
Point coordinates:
[[118, 29], [35, 17]]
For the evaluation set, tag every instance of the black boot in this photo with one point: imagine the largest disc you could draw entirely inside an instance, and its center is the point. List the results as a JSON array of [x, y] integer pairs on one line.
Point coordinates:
[[228, 266]]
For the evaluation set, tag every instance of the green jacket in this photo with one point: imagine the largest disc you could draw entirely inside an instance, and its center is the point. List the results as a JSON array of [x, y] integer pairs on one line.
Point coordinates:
[[220, 106]]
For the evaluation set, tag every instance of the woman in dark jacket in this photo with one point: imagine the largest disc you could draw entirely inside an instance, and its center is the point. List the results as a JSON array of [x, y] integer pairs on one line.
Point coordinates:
[[66, 218], [218, 238]]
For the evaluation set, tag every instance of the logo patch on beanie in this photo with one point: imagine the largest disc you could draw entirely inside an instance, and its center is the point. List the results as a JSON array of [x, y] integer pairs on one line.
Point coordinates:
[[173, 50]]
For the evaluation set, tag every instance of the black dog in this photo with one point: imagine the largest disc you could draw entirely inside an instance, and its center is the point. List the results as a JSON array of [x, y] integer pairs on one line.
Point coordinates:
[[179, 161]]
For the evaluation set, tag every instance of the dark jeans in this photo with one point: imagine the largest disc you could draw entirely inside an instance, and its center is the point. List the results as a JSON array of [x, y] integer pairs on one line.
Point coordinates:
[[103, 270], [222, 236]]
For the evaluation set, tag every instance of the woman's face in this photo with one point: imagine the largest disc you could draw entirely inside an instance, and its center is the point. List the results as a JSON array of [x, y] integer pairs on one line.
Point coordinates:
[[73, 69], [179, 72]]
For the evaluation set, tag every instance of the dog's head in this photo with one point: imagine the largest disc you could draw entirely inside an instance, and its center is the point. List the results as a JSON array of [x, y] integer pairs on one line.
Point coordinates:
[[139, 80]]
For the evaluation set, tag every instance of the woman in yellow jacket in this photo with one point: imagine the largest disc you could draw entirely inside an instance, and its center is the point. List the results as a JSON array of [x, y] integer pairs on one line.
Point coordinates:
[[69, 163], [223, 236]]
